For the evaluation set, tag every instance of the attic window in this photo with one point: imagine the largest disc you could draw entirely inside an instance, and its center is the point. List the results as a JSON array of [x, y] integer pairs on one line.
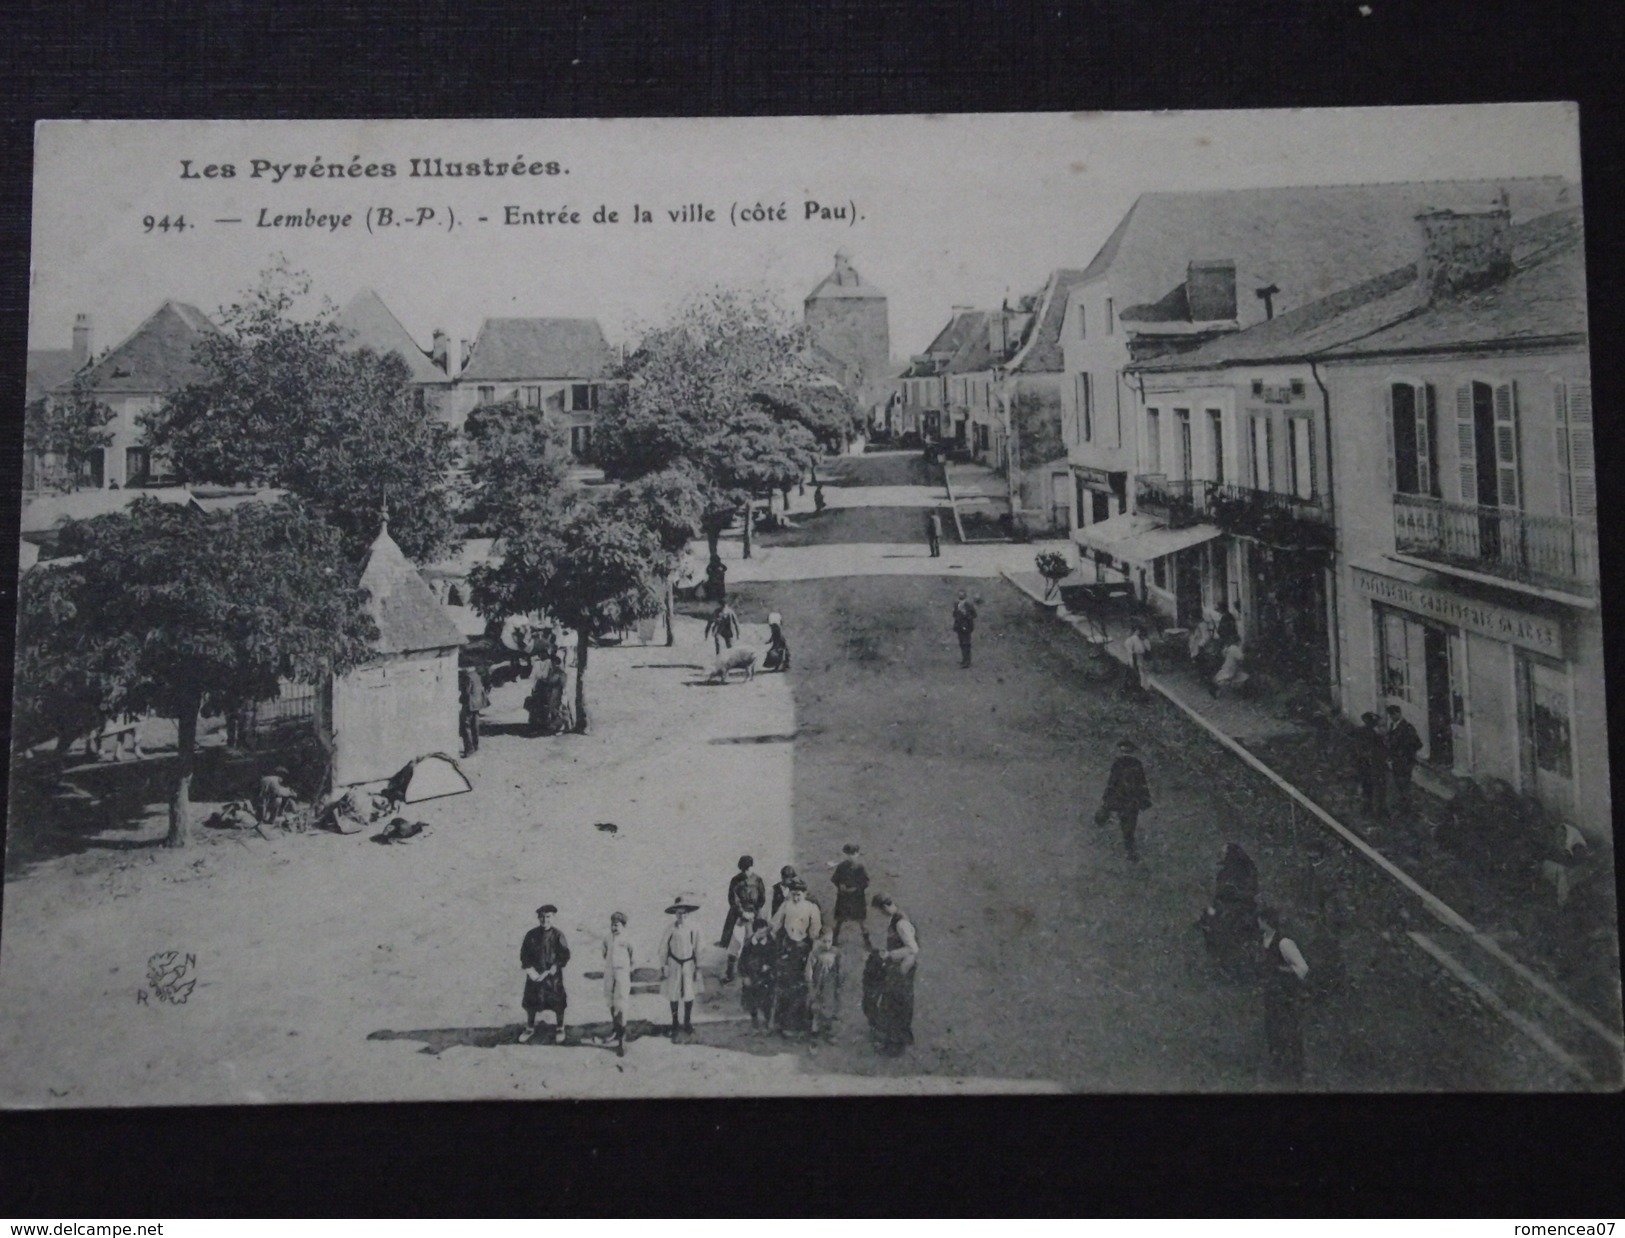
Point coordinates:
[[1297, 389], [1258, 387]]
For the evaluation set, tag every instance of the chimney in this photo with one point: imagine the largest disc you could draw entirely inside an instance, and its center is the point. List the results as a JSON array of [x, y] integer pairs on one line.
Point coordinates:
[[81, 340], [1462, 251], [1210, 291], [440, 353], [998, 333], [467, 351]]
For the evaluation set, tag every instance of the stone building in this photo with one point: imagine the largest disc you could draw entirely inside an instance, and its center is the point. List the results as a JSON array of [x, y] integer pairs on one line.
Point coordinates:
[[848, 319]]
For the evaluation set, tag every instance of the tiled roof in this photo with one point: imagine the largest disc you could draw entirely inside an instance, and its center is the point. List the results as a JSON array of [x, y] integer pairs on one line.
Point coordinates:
[[1309, 241], [953, 335], [1042, 352], [48, 369], [370, 324], [408, 615], [157, 355], [518, 348], [1542, 298], [975, 351]]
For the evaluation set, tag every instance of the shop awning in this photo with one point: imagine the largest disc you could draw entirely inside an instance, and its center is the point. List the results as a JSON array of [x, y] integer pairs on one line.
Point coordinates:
[[1141, 538], [1156, 543], [1108, 533]]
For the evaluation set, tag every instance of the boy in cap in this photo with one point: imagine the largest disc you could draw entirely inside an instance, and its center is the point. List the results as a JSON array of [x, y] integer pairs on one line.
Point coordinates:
[[756, 973], [781, 887], [824, 986], [543, 954], [1127, 794]]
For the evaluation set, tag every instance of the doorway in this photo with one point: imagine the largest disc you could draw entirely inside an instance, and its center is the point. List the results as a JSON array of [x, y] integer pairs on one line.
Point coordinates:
[[1420, 669], [1545, 739], [1187, 588], [1436, 671]]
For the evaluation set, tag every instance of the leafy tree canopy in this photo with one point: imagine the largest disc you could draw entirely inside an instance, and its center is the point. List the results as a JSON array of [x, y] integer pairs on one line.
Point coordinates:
[[517, 458], [288, 402]]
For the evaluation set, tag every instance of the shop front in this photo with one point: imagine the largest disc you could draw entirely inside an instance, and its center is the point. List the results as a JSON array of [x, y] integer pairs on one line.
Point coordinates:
[[1488, 682]]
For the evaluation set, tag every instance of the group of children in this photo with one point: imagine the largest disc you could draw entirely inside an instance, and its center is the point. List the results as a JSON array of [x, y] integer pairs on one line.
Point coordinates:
[[784, 954]]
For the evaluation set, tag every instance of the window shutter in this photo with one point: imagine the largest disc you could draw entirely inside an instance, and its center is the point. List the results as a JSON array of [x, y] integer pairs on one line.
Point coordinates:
[[1582, 451], [1466, 445], [1388, 415], [1560, 420], [1427, 482], [1506, 444]]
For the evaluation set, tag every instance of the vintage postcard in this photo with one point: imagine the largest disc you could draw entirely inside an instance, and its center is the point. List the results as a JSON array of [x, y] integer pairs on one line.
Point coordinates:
[[909, 605]]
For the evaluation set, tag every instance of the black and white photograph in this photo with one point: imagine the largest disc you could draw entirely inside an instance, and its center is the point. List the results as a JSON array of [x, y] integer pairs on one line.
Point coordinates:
[[985, 604]]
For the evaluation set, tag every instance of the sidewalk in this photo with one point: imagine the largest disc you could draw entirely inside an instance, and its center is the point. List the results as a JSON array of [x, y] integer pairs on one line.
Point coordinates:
[[1527, 931]]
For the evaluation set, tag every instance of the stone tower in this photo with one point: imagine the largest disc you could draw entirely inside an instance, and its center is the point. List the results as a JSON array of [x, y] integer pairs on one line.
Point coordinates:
[[848, 319]]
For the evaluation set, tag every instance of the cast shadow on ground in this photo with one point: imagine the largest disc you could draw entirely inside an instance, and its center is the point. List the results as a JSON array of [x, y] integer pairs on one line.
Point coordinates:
[[735, 1034], [667, 666], [786, 738]]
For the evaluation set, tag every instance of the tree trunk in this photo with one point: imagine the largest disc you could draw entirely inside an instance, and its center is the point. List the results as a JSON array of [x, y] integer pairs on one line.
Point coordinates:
[[671, 638], [748, 514], [581, 678], [180, 803]]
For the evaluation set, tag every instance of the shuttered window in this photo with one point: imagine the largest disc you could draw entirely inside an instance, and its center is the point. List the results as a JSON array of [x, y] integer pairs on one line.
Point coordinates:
[[1263, 448], [1412, 411], [1301, 445], [1576, 451], [1466, 444], [1506, 445], [1215, 439], [1153, 441]]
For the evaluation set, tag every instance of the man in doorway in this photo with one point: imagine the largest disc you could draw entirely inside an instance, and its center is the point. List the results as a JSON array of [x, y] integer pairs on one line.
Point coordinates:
[[933, 533], [1404, 744], [1371, 765], [964, 625]]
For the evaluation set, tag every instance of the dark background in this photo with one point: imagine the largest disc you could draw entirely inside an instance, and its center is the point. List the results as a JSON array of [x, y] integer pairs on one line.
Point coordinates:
[[1537, 1159]]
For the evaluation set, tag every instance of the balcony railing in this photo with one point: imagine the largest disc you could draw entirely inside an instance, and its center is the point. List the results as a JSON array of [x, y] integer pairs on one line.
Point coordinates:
[[1265, 515], [1547, 552]]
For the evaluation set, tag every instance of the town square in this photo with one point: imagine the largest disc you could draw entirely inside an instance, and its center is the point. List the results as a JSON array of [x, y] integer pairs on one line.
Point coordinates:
[[1171, 665]]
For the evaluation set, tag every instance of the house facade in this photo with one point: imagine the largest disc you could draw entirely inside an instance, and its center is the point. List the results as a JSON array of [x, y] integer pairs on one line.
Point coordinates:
[[1158, 286], [923, 409], [559, 364], [133, 378]]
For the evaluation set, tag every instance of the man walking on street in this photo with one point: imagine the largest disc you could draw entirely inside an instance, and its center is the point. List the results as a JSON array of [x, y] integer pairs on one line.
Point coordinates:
[[964, 625], [723, 625], [1403, 745], [933, 533], [1127, 795]]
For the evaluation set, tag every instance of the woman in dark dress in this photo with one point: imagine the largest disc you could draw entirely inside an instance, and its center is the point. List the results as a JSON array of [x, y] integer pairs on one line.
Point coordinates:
[[1230, 922], [778, 649], [888, 981]]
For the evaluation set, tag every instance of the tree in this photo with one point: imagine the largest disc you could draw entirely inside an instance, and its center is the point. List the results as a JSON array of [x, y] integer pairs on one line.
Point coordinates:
[[62, 434], [170, 610], [668, 503], [711, 392], [290, 403], [516, 456], [582, 560]]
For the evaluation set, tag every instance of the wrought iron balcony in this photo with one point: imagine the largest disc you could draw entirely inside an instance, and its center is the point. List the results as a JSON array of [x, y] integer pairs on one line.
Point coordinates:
[[1544, 552], [1181, 501]]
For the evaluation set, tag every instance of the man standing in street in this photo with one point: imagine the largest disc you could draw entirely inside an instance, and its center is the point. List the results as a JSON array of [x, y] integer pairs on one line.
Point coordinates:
[[851, 891], [1127, 795], [933, 533], [544, 954], [1403, 745], [964, 625], [1371, 765], [472, 698]]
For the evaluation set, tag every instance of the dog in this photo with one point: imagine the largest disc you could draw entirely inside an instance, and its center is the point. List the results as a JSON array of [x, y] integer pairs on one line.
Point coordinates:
[[733, 660]]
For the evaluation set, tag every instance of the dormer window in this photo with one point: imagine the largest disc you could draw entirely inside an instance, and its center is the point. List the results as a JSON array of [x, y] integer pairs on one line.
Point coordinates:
[[1297, 389]]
